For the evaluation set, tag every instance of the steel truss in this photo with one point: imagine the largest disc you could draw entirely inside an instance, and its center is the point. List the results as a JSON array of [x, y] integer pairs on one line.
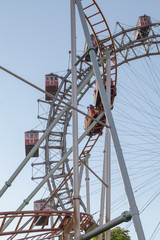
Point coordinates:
[[27, 223], [127, 49], [57, 140], [55, 148]]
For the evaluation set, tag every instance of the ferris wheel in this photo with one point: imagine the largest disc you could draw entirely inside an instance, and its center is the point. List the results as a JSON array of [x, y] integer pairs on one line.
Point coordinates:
[[60, 184]]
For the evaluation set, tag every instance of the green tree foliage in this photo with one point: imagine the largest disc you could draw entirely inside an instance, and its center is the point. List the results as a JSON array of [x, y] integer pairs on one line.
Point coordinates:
[[117, 234]]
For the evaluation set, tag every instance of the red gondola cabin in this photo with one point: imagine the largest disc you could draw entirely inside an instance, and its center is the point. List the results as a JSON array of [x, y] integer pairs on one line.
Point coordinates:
[[143, 32], [88, 121], [51, 84], [31, 138], [43, 220], [39, 204], [96, 94]]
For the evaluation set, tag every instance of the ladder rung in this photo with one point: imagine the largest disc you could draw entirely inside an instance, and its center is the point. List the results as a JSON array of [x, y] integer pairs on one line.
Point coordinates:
[[88, 6], [86, 151], [92, 140], [101, 31], [104, 39], [97, 23], [93, 15], [89, 146]]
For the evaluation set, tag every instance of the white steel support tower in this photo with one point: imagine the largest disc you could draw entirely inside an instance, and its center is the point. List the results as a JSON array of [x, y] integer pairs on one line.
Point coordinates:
[[107, 151], [76, 183], [106, 191], [123, 169], [63, 180]]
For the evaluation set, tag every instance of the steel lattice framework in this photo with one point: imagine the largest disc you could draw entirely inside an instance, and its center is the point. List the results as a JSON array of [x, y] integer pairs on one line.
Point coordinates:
[[27, 223], [124, 49], [57, 140], [127, 49]]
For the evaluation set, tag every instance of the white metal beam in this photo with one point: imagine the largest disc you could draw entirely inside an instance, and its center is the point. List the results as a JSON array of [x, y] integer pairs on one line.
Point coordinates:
[[46, 133], [40, 185], [118, 150], [76, 197]]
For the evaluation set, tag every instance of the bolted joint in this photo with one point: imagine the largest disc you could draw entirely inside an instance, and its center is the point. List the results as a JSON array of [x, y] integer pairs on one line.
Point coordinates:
[[78, 197], [8, 184], [26, 201], [126, 216], [87, 179]]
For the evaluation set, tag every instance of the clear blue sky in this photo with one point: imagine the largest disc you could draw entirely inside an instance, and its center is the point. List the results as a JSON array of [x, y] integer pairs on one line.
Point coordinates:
[[35, 40]]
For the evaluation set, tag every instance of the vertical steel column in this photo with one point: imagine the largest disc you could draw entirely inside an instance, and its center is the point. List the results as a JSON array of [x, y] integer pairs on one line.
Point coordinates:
[[81, 169], [101, 216], [52, 217], [87, 188], [107, 152], [76, 198], [107, 159], [118, 150]]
